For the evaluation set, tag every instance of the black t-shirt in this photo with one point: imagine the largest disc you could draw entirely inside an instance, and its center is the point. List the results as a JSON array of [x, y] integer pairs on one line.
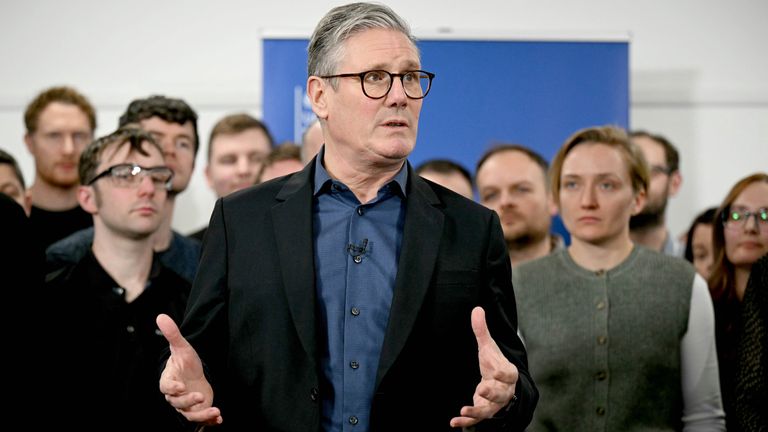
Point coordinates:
[[51, 226]]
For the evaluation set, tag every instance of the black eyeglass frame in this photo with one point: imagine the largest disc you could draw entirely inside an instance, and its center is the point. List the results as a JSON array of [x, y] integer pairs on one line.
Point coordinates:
[[392, 76], [108, 172], [745, 215]]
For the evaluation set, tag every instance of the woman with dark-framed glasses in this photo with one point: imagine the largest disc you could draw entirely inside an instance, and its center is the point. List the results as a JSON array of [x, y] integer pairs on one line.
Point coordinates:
[[740, 238]]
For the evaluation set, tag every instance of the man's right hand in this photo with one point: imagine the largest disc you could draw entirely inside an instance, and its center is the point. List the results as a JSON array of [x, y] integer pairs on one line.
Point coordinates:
[[183, 382]]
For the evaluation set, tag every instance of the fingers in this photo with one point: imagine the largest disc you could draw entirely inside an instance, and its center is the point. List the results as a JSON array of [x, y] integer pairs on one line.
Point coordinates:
[[186, 401], [209, 416], [462, 422], [495, 392], [480, 328], [472, 415], [170, 386], [484, 408], [194, 408], [171, 332]]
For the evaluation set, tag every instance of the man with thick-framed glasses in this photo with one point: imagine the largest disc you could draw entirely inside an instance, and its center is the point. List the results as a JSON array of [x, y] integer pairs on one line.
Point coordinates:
[[173, 124], [104, 306], [353, 295]]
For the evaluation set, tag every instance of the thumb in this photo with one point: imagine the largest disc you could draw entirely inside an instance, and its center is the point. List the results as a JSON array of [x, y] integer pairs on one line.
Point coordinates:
[[480, 328], [171, 332]]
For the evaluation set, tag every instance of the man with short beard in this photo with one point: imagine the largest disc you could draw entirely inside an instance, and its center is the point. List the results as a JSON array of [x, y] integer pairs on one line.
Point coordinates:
[[512, 180], [649, 228], [60, 122]]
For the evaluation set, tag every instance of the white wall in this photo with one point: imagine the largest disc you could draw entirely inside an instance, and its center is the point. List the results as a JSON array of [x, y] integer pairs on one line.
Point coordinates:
[[698, 67]]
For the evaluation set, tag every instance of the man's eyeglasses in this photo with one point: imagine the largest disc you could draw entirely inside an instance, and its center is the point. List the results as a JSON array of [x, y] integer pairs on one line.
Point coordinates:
[[737, 219], [377, 83], [660, 170], [130, 175]]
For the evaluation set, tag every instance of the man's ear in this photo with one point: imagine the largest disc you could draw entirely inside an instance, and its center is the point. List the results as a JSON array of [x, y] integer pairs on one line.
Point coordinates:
[[86, 196], [208, 177], [317, 94], [675, 181], [29, 143], [638, 202], [551, 205]]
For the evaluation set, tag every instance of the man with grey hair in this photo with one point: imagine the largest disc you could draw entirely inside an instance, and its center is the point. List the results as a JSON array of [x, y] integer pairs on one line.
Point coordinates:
[[353, 295]]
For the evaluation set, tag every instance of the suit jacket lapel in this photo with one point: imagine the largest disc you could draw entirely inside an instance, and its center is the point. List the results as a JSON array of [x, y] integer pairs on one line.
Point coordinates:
[[292, 221], [423, 226]]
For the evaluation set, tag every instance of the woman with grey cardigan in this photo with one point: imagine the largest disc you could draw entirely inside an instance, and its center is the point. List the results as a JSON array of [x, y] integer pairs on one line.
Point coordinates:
[[619, 337]]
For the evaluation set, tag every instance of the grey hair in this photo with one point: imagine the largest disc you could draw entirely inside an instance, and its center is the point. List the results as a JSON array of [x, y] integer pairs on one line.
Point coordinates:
[[339, 24]]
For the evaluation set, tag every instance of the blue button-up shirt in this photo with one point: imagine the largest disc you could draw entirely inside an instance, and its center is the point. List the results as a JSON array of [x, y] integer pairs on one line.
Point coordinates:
[[357, 247]]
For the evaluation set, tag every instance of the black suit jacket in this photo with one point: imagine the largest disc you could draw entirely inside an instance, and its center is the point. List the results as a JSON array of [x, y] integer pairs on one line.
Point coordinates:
[[253, 314]]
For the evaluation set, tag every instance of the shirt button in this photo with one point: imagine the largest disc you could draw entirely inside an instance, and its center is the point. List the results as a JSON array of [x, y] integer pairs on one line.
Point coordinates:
[[601, 340], [354, 365], [600, 411], [118, 290], [353, 420], [130, 329], [355, 311], [600, 272], [360, 211], [600, 305], [358, 259], [601, 375], [314, 393]]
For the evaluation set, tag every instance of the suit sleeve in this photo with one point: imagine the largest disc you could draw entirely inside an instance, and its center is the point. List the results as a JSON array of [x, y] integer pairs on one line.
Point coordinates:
[[501, 316], [205, 320]]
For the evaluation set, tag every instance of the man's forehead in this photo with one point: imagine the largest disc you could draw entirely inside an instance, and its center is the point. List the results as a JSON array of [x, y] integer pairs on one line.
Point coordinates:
[[60, 114], [123, 152], [159, 125], [374, 49]]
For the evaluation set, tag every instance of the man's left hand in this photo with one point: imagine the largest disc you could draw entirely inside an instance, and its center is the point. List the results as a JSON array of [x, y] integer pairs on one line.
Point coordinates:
[[498, 377]]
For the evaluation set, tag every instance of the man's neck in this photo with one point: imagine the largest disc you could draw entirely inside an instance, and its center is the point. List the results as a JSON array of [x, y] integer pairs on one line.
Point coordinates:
[[127, 261], [363, 180], [161, 239], [652, 237], [520, 253], [53, 198]]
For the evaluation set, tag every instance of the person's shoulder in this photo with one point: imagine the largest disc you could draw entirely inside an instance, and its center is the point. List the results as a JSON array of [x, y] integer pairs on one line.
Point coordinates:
[[78, 239], [757, 286], [185, 242], [540, 265], [64, 275], [69, 250], [198, 235], [659, 260], [450, 199], [257, 196]]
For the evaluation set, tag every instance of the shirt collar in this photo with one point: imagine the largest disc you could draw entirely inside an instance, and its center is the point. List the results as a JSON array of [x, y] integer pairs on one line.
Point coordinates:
[[323, 180]]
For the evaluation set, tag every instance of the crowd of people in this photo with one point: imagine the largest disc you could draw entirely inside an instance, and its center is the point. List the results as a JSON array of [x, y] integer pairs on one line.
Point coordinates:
[[339, 288]]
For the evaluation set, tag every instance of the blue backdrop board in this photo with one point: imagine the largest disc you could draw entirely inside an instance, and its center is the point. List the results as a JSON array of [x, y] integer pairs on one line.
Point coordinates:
[[530, 92]]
